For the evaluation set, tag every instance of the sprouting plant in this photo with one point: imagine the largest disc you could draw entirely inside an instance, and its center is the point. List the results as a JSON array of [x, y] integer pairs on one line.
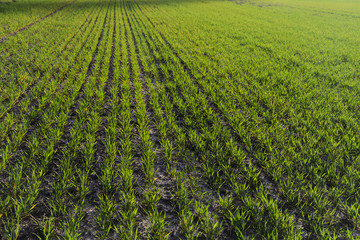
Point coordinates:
[[12, 225], [210, 225], [151, 197], [353, 213], [48, 228], [239, 221], [188, 225], [158, 229], [105, 215], [226, 203]]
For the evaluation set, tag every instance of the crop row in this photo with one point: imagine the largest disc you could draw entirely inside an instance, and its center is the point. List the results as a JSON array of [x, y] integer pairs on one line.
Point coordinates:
[[309, 164], [119, 122]]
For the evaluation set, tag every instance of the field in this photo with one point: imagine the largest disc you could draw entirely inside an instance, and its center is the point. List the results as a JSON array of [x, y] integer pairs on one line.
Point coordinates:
[[179, 119]]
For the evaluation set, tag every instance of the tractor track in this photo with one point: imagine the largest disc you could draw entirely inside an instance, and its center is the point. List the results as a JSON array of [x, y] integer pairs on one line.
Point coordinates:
[[35, 22]]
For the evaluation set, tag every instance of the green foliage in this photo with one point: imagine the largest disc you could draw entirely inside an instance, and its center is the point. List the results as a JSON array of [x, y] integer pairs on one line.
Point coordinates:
[[231, 119]]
